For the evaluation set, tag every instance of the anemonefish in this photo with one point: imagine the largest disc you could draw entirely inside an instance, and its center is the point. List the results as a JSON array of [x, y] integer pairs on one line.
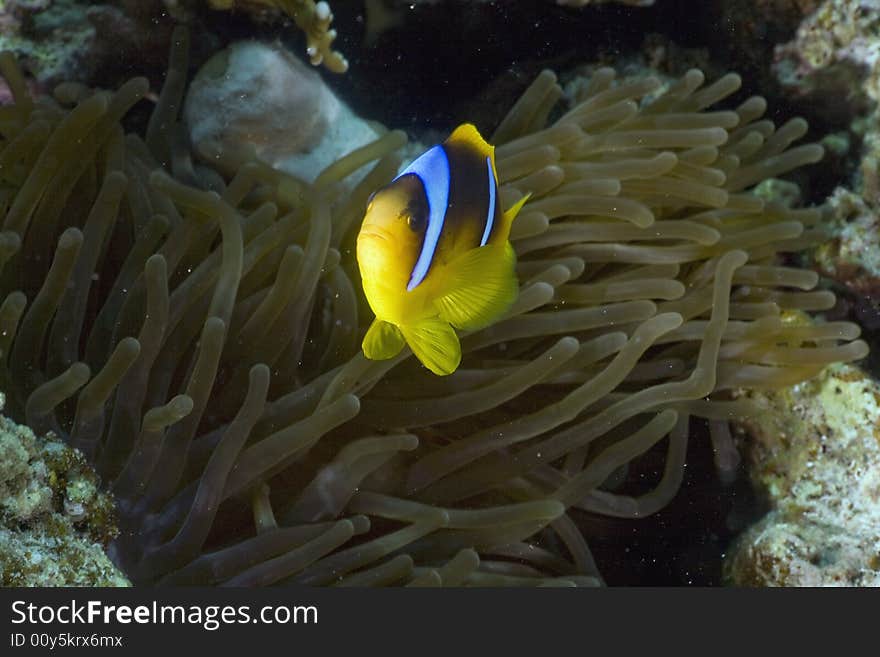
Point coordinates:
[[434, 254]]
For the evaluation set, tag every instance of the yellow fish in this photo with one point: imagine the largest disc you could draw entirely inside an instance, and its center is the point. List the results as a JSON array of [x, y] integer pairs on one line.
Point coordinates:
[[434, 254]]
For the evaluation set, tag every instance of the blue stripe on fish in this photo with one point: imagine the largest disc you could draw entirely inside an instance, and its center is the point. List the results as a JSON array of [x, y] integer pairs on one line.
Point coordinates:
[[432, 168], [490, 215]]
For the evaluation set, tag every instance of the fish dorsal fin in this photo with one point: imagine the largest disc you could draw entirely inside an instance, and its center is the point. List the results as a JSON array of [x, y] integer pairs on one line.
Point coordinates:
[[480, 286], [383, 340], [468, 134], [435, 344]]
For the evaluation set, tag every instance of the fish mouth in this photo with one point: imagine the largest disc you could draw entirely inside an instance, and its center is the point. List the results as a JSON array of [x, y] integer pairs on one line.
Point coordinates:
[[374, 234]]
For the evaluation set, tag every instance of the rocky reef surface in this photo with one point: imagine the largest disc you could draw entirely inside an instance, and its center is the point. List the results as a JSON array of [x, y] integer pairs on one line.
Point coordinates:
[[815, 451], [54, 520]]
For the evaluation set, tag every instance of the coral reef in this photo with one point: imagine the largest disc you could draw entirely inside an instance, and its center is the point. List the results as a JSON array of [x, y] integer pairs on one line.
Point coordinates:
[[26, 26], [833, 64], [197, 336], [54, 521], [815, 449], [852, 257], [745, 32], [834, 57], [75, 40], [313, 18]]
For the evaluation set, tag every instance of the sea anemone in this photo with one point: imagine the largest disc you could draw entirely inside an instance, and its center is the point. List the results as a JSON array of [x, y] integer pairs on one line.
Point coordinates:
[[198, 337]]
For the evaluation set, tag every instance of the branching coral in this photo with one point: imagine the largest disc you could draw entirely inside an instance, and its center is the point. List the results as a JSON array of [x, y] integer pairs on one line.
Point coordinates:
[[202, 346], [313, 18]]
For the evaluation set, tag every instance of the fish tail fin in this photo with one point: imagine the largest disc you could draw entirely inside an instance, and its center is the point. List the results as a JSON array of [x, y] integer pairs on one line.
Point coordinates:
[[382, 341], [435, 344], [481, 286]]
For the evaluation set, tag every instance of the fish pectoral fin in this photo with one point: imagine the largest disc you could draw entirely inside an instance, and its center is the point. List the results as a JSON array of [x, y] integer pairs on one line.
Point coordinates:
[[435, 344], [481, 286], [382, 341]]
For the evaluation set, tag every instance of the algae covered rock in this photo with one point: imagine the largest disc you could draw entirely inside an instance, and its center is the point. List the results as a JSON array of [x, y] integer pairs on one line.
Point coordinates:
[[815, 450], [54, 521], [81, 40], [833, 59]]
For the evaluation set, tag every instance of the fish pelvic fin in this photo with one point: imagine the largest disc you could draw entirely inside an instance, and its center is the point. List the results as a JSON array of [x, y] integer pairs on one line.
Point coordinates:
[[481, 286], [435, 344], [382, 341]]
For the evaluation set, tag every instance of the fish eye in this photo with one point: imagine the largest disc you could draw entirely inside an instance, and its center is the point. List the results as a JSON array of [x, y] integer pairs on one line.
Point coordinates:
[[416, 217]]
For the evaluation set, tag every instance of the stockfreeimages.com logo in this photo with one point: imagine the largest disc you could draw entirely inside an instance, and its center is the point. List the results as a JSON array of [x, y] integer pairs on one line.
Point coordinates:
[[210, 617]]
